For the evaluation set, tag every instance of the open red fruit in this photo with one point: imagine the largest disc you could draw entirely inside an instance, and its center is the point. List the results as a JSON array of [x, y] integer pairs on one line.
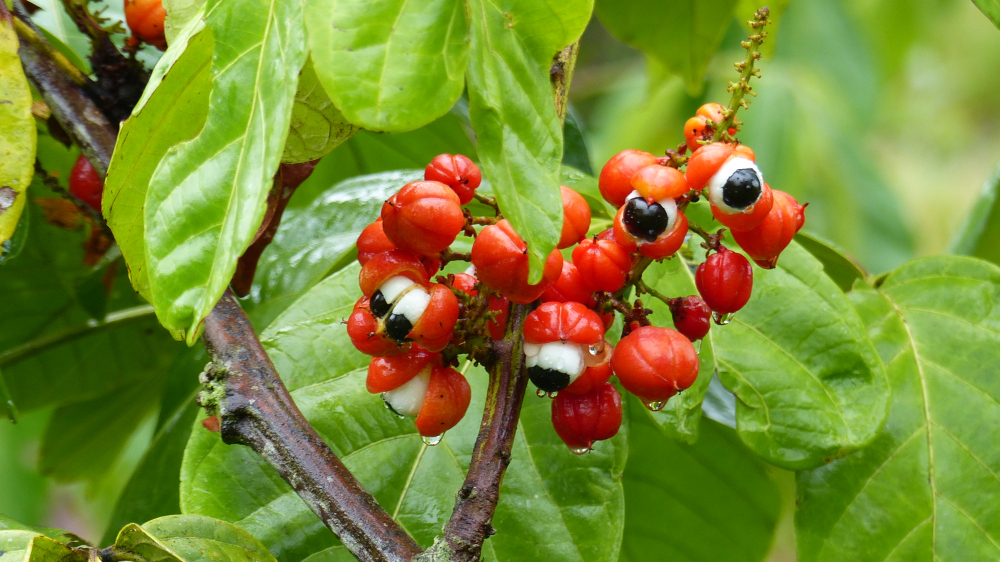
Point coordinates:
[[655, 363], [373, 242], [707, 160], [501, 260], [725, 281], [85, 184], [582, 419], [388, 373], [615, 181], [766, 242], [457, 172], [558, 338], [363, 329], [381, 267], [651, 218], [576, 218], [603, 264], [445, 403], [424, 217]]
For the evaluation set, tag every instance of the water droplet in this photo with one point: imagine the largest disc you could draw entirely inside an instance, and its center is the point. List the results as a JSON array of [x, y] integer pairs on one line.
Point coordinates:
[[539, 393], [579, 450], [553, 394], [597, 348], [697, 347], [723, 319], [655, 406], [431, 441]]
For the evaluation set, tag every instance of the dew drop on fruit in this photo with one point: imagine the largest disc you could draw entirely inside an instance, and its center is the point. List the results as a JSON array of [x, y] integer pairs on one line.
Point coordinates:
[[596, 349], [655, 406], [539, 393], [433, 440], [553, 394], [723, 319], [579, 450]]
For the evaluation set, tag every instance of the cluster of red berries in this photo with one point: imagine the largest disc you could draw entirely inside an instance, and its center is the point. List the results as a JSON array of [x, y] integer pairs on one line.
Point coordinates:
[[415, 327]]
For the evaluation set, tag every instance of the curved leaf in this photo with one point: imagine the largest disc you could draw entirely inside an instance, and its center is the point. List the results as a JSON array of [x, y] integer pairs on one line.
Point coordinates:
[[978, 234], [567, 507], [172, 110], [14, 544], [513, 114], [18, 136], [927, 486], [317, 126], [684, 38], [207, 197], [716, 499], [191, 538], [179, 14], [390, 66], [837, 264], [810, 385], [991, 9]]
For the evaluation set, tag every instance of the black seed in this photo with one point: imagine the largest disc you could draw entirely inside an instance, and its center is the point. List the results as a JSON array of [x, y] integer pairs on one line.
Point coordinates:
[[397, 326], [644, 220], [378, 304], [548, 380], [742, 189]]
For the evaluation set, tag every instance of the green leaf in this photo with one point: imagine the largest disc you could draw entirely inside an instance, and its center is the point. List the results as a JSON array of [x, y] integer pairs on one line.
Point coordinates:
[[56, 23], [924, 488], [317, 126], [207, 197], [179, 14], [44, 549], [314, 241], [809, 383], [978, 234], [513, 114], [681, 417], [990, 8], [838, 265], [575, 151], [390, 66], [18, 136], [172, 110], [191, 538], [715, 500], [14, 545], [576, 505], [682, 36], [13, 246], [7, 402]]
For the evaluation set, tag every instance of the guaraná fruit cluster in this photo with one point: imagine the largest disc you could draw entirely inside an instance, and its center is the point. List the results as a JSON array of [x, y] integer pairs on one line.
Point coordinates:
[[415, 322]]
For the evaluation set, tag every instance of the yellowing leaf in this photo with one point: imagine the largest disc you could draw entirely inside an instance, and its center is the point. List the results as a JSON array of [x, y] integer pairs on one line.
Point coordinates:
[[17, 132]]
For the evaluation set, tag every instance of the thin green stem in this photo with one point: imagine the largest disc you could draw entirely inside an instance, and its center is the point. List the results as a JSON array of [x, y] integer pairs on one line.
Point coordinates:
[[742, 88], [642, 287], [66, 335]]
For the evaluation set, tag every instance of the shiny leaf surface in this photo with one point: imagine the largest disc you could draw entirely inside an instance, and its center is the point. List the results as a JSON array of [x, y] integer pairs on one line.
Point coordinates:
[[317, 126], [17, 133], [925, 488], [191, 538], [839, 266], [390, 66]]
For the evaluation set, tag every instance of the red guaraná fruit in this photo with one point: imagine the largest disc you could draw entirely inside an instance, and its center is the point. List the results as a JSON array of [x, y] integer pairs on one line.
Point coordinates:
[[655, 363], [85, 184], [576, 218], [379, 268], [146, 18], [692, 317], [766, 242], [615, 181], [389, 373], [646, 221], [466, 283], [424, 217], [603, 264], [373, 242], [725, 281], [501, 260], [363, 329], [457, 172], [597, 373], [569, 287], [558, 337], [707, 160], [581, 419], [445, 403]]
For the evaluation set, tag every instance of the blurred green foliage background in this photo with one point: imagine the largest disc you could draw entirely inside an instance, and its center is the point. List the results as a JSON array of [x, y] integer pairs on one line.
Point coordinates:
[[883, 114]]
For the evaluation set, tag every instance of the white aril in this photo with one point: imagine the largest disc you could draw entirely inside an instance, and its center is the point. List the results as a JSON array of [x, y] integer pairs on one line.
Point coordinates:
[[407, 399]]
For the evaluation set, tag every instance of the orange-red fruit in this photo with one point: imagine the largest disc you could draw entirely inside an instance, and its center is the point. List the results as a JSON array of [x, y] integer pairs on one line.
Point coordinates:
[[581, 419], [457, 172], [570, 286], [501, 260], [145, 18], [498, 324], [656, 183], [692, 317], [713, 111], [435, 327], [725, 281], [765, 242], [592, 378], [373, 241], [615, 181], [465, 283], [747, 220], [694, 130], [709, 158], [389, 373], [362, 328], [447, 399], [603, 264], [424, 217], [86, 184], [576, 218], [382, 266], [565, 322], [655, 363], [665, 245]]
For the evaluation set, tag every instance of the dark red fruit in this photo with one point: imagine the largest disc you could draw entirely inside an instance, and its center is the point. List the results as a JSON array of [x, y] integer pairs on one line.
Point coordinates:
[[725, 281], [85, 184], [692, 317], [457, 172], [582, 419]]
